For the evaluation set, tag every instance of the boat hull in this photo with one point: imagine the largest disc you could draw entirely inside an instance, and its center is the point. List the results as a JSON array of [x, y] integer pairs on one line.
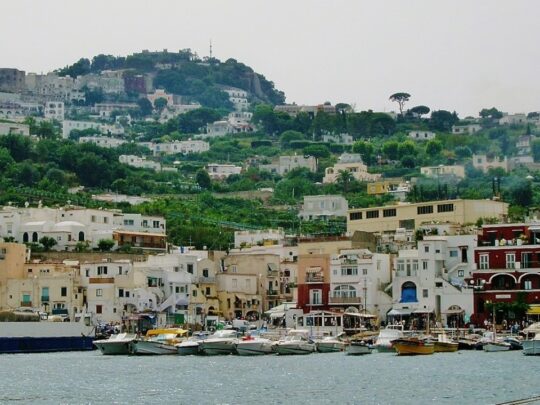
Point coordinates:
[[217, 348], [385, 348], [142, 347], [496, 347], [188, 350], [330, 347], [413, 349], [358, 349], [531, 347], [288, 349], [45, 344], [113, 348], [446, 347], [253, 349]]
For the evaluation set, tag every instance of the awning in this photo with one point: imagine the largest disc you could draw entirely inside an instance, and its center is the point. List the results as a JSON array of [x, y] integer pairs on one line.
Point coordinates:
[[422, 311], [359, 315], [454, 311], [240, 296], [275, 315], [313, 270], [534, 310], [399, 312], [272, 267], [281, 308]]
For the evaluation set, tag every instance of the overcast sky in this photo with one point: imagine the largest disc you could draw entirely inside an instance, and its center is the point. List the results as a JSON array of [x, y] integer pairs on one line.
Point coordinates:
[[456, 54]]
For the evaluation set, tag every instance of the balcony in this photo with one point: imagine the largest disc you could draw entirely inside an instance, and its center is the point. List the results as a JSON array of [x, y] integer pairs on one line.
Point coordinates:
[[208, 280], [344, 300], [271, 293], [45, 298], [314, 278], [26, 303]]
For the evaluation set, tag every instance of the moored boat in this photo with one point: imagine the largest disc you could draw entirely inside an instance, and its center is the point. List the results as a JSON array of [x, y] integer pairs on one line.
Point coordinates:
[[444, 344], [357, 348], [413, 346], [386, 335], [330, 344], [115, 344], [158, 341], [531, 347], [253, 346], [496, 346], [296, 342], [221, 342]]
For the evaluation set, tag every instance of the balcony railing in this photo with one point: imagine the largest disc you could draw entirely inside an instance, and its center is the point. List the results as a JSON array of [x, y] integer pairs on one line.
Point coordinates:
[[45, 298], [312, 278], [206, 280], [344, 300], [271, 293], [26, 303]]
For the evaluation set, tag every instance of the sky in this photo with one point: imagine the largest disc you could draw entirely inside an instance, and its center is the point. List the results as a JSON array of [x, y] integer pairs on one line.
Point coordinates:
[[457, 55]]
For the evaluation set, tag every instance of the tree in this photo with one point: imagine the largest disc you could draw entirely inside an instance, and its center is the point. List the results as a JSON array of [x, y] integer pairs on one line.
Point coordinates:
[[401, 99], [319, 151], [344, 179], [390, 149], [420, 110], [492, 113], [286, 137], [195, 121], [47, 243], [145, 106], [81, 247], [160, 103], [443, 120], [407, 148], [433, 147], [536, 150], [365, 149], [202, 178], [105, 245]]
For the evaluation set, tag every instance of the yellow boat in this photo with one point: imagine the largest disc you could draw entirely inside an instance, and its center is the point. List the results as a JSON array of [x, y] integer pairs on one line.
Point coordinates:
[[412, 346], [443, 344]]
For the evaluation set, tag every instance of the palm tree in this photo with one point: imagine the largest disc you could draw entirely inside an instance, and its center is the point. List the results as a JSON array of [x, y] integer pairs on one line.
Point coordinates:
[[344, 179]]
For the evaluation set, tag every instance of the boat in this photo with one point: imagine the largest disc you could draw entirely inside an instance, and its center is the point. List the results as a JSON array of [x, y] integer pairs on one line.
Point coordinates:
[[444, 344], [330, 344], [496, 346], [356, 348], [468, 342], [515, 343], [115, 344], [30, 333], [386, 336], [221, 342], [191, 345], [413, 346], [252, 346], [296, 342], [158, 341], [531, 347]]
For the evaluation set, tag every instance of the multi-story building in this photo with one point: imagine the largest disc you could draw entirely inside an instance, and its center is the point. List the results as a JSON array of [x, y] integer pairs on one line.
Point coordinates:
[[102, 141], [482, 162], [341, 139], [443, 171], [410, 216], [172, 148], [323, 207], [220, 171], [104, 110], [238, 98], [507, 270], [139, 162], [350, 162], [469, 129], [108, 83], [54, 110], [11, 128], [432, 279], [12, 259], [160, 93], [239, 296], [12, 80], [418, 135], [513, 119], [266, 237], [287, 163]]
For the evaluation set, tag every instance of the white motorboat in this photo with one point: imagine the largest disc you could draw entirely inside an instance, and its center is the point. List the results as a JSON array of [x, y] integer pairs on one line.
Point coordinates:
[[330, 344], [296, 342], [158, 341], [221, 342], [188, 347], [116, 344], [357, 348], [252, 346], [386, 335], [496, 347], [532, 346]]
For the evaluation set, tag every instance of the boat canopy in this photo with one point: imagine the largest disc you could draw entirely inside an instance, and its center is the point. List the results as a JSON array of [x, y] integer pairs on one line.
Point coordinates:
[[174, 331], [360, 315]]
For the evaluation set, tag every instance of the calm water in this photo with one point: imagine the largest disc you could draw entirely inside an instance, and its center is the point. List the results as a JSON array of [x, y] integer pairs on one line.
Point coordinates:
[[469, 377]]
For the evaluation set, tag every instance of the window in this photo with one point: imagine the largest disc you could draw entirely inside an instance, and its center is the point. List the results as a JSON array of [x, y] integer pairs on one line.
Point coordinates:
[[208, 291], [190, 268], [99, 309], [424, 293], [415, 265], [63, 291], [235, 283], [453, 253], [353, 216], [426, 249], [349, 271], [437, 250], [315, 297], [438, 284], [445, 207], [426, 209], [121, 292], [484, 262], [99, 292], [194, 293], [233, 268], [424, 265], [177, 290], [390, 212], [128, 222], [461, 273], [205, 273], [527, 285], [105, 220], [101, 270], [119, 269], [155, 224], [364, 272], [93, 219], [510, 260], [401, 265], [372, 214], [87, 272]]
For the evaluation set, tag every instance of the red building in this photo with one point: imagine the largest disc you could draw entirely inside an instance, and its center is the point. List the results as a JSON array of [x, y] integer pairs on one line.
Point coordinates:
[[313, 279], [507, 269]]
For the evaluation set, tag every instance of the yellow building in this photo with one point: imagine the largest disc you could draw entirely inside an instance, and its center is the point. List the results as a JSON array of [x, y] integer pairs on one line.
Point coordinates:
[[12, 259], [410, 216], [238, 296], [382, 187]]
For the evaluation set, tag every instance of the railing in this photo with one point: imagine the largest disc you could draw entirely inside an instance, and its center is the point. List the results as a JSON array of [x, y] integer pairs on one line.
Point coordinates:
[[206, 280], [344, 300], [271, 292], [314, 279], [26, 303], [406, 273], [45, 298]]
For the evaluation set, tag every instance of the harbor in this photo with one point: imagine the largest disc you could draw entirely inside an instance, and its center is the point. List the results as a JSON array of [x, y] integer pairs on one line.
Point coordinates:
[[379, 378]]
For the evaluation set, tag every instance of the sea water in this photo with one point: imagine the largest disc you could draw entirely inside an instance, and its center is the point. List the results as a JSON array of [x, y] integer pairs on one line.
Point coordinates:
[[468, 377]]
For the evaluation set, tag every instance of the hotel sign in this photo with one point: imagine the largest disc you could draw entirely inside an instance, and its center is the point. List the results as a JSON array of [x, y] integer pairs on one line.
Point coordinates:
[[503, 296]]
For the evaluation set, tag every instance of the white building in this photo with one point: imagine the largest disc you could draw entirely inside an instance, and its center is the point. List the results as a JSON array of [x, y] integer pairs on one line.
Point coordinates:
[[160, 93], [172, 148], [103, 141], [104, 110], [258, 237], [54, 110], [341, 139], [358, 279], [9, 128], [418, 135], [238, 98], [432, 279], [218, 171], [466, 129], [217, 129], [287, 163], [323, 207], [443, 171], [351, 162], [513, 119], [140, 162], [106, 129], [481, 162], [108, 83]]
